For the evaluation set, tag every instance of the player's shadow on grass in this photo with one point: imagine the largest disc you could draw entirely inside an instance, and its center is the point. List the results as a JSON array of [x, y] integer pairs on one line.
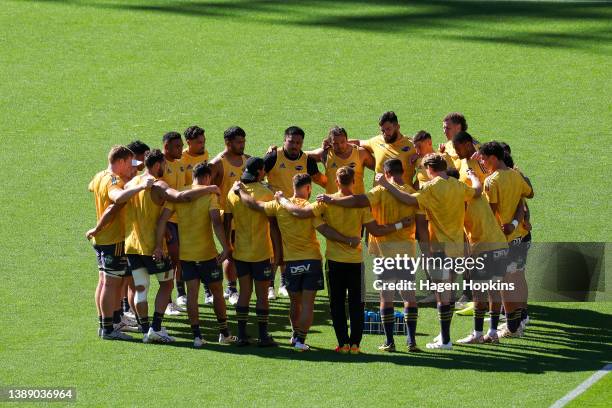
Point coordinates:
[[497, 22], [559, 339]]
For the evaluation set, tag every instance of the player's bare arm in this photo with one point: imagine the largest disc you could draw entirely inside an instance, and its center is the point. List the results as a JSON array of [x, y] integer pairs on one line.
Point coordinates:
[[107, 217], [330, 233], [401, 196], [352, 201], [379, 230], [160, 233], [217, 223]]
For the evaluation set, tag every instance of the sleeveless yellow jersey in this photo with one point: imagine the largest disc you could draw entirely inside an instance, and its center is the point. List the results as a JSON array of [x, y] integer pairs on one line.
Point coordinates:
[[481, 227], [347, 221], [280, 177], [298, 234], [101, 185], [421, 173], [189, 162], [141, 215], [387, 210], [444, 202], [401, 149], [195, 227], [334, 162], [253, 242], [231, 174], [507, 188]]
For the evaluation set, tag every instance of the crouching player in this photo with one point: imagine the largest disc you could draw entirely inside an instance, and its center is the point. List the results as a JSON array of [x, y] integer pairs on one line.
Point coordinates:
[[197, 253]]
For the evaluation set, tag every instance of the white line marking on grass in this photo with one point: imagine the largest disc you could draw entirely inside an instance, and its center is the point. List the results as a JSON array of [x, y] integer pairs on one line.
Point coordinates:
[[583, 387]]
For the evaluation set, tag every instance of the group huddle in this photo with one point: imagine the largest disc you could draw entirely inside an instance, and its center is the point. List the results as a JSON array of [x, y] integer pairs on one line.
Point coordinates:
[[159, 212]]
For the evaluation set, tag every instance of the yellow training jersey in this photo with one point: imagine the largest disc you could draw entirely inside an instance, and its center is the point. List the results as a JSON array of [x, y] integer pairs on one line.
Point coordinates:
[[101, 185], [231, 174], [298, 234], [195, 227], [141, 215], [401, 149], [387, 210], [481, 227], [444, 201], [175, 176], [479, 170], [333, 162], [189, 162], [347, 221], [253, 242], [507, 188], [449, 149], [280, 177], [421, 172]]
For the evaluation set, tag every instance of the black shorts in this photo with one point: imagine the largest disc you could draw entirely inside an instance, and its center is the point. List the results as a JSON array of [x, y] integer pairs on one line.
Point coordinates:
[[172, 228], [111, 259], [518, 251], [259, 271], [495, 265], [146, 261], [206, 271], [437, 271], [304, 275]]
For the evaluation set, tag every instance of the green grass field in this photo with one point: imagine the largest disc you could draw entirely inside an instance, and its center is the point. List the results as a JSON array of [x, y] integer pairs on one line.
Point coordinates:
[[79, 76]]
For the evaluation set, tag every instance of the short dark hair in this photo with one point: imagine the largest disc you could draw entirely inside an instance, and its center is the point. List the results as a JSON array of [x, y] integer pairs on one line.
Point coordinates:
[[453, 172], [152, 157], [119, 152], [435, 161], [201, 170], [337, 131], [492, 149], [505, 146], [301, 179], [138, 147], [168, 137], [421, 136], [457, 119], [345, 175], [463, 137], [193, 132], [388, 117], [294, 131], [233, 132], [393, 166]]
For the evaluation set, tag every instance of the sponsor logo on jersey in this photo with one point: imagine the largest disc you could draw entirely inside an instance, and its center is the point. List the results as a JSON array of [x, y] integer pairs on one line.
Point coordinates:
[[232, 174], [299, 168], [334, 165], [352, 165], [282, 166], [405, 148]]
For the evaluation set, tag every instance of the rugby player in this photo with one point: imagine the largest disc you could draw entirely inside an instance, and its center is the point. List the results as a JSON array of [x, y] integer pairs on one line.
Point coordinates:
[[338, 152], [142, 213], [175, 176], [108, 240], [280, 167], [506, 189], [443, 199], [344, 260], [486, 241], [423, 146], [227, 167], [255, 236], [390, 144], [301, 253], [200, 260], [387, 210]]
